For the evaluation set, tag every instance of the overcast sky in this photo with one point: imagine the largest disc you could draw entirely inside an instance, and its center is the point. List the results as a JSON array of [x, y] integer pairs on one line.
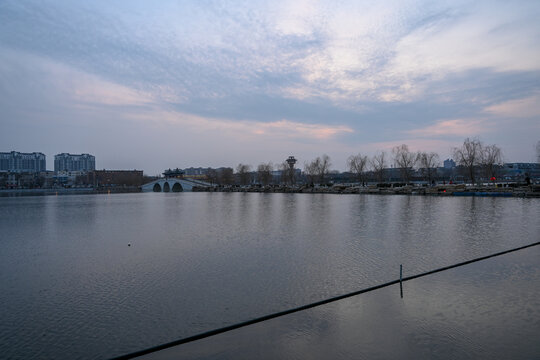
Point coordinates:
[[153, 85]]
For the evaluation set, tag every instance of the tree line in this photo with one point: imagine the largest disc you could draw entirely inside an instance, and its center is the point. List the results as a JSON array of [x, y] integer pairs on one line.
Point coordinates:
[[473, 157]]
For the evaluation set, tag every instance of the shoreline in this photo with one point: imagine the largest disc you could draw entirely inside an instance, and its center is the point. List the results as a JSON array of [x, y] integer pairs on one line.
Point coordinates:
[[532, 191], [437, 190], [64, 191]]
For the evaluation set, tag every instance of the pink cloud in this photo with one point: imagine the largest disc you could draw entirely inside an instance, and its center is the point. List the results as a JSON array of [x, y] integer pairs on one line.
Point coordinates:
[[279, 130], [299, 130], [519, 108], [457, 127]]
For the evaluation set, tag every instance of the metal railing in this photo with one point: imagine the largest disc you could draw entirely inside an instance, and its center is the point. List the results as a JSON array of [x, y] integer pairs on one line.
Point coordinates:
[[309, 306]]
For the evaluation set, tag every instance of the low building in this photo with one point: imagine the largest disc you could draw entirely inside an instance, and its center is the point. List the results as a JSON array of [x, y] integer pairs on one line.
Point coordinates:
[[112, 178], [21, 180], [520, 171], [67, 178]]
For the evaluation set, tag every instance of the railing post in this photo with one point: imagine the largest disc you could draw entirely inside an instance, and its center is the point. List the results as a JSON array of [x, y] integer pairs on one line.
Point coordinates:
[[401, 280]]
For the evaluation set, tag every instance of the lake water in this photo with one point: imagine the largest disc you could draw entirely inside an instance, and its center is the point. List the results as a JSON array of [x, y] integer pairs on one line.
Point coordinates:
[[484, 310], [96, 276]]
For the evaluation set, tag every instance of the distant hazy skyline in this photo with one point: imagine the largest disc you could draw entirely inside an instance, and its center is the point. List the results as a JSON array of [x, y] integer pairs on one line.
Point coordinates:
[[206, 83]]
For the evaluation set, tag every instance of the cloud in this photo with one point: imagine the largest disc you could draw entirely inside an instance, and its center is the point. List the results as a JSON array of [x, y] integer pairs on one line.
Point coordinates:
[[298, 130], [518, 108], [393, 54], [452, 127], [304, 50], [308, 72], [281, 130], [40, 78], [296, 18], [96, 92], [501, 37]]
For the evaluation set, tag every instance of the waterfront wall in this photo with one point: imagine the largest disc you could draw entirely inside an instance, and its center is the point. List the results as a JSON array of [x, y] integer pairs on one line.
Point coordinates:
[[67, 191], [438, 190]]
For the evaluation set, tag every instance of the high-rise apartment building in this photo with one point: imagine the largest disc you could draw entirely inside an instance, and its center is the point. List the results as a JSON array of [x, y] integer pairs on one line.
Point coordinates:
[[74, 162], [18, 162]]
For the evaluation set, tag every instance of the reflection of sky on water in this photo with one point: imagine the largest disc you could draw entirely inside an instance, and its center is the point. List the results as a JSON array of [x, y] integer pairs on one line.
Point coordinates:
[[489, 309], [199, 261]]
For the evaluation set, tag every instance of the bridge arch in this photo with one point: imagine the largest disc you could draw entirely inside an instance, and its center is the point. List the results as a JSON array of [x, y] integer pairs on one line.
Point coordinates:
[[172, 184], [177, 187]]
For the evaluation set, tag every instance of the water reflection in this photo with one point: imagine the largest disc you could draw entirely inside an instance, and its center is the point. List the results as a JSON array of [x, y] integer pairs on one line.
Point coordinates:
[[488, 309], [203, 260]]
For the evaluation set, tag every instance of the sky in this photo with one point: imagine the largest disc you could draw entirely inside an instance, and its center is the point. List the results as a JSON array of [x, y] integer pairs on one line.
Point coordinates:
[[156, 85]]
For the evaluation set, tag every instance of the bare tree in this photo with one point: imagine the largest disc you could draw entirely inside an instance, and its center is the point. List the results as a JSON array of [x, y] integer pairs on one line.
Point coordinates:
[[358, 165], [428, 163], [226, 176], [264, 173], [324, 167], [491, 159], [310, 170], [212, 176], [317, 170], [404, 160], [378, 163], [287, 173], [243, 172], [284, 170], [469, 156]]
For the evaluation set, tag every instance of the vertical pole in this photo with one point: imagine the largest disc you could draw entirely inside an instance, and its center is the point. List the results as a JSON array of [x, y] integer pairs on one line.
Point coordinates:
[[401, 280]]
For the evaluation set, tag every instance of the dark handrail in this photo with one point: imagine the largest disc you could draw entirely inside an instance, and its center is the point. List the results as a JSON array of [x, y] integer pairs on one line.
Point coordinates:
[[305, 307]]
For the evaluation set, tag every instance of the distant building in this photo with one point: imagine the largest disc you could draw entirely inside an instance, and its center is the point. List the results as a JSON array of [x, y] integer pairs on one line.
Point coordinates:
[[106, 178], [449, 164], [519, 171], [74, 162], [67, 177], [278, 175], [18, 162], [196, 171]]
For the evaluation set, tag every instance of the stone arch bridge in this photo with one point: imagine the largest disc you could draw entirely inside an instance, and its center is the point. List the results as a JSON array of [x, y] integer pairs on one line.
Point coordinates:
[[172, 185]]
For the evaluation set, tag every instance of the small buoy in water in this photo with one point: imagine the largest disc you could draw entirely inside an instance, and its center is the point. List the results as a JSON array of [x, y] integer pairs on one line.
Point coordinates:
[[129, 244]]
